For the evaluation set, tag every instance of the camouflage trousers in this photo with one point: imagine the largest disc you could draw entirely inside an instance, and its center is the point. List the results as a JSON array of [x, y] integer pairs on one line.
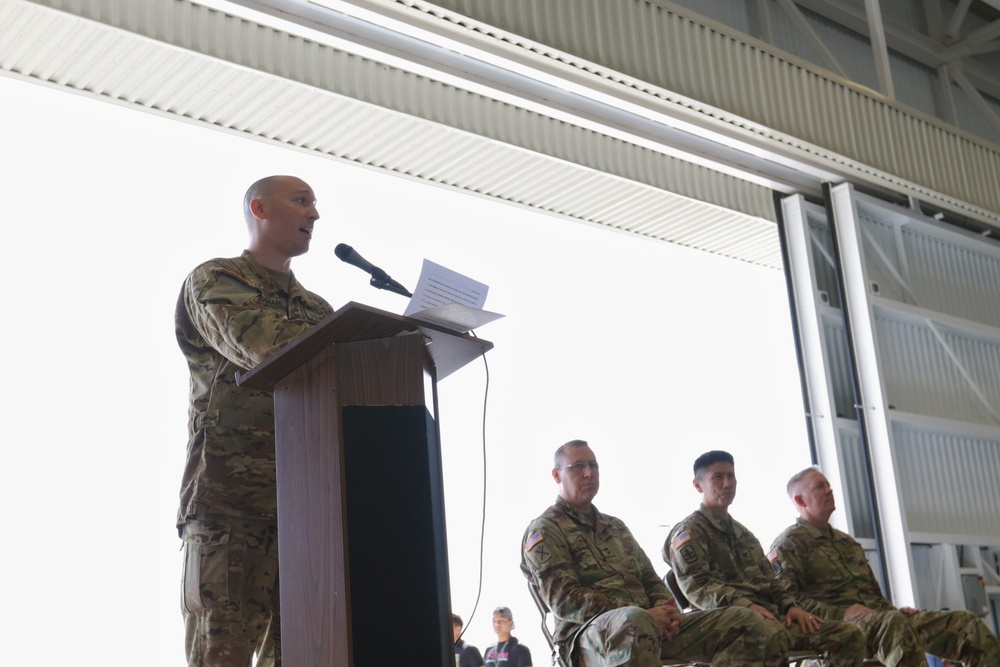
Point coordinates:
[[898, 640], [229, 592], [841, 644], [729, 637]]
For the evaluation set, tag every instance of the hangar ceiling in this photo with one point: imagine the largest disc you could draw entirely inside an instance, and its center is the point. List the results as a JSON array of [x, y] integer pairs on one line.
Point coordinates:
[[643, 117]]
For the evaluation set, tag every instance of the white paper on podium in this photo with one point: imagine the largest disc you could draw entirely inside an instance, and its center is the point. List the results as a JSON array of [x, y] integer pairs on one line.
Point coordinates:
[[449, 299]]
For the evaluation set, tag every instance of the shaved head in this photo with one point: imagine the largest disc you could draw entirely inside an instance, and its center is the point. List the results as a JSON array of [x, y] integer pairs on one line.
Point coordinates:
[[280, 213], [263, 189]]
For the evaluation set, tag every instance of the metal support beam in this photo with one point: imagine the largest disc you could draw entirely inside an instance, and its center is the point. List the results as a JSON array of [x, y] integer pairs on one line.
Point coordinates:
[[966, 46], [873, 407], [957, 18], [944, 98], [933, 18], [927, 50], [876, 33], [825, 54], [976, 97], [798, 244], [761, 26]]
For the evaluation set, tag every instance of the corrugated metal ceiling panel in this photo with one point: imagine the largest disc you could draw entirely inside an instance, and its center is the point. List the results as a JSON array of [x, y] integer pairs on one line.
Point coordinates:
[[675, 54], [182, 59]]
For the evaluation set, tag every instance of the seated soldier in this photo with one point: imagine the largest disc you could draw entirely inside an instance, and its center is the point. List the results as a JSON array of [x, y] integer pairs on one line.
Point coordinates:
[[828, 571], [610, 606], [719, 563]]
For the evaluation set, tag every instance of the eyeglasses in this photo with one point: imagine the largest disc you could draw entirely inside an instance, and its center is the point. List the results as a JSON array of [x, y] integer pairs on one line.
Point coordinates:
[[580, 465]]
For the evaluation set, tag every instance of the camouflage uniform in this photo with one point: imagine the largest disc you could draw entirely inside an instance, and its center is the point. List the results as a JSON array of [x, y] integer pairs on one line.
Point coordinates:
[[599, 583], [719, 563], [231, 315], [830, 572]]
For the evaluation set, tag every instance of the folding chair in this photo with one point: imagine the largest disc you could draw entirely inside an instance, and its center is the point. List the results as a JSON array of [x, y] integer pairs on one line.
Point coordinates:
[[670, 579], [556, 647]]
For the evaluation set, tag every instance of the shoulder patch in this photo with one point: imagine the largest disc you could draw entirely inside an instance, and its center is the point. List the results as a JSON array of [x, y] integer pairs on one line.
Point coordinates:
[[533, 540], [689, 555], [772, 556], [680, 540]]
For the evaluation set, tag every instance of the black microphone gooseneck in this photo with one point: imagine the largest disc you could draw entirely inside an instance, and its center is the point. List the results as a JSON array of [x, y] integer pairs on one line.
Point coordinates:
[[379, 278]]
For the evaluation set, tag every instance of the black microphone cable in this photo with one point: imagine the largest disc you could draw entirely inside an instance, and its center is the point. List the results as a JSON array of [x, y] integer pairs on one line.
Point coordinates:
[[482, 523]]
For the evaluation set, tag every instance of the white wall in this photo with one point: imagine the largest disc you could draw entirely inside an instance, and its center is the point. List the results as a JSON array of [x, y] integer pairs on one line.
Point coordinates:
[[652, 352]]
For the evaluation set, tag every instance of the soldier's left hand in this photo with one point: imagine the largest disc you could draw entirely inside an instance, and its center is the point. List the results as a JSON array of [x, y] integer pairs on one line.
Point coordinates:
[[668, 617], [807, 622]]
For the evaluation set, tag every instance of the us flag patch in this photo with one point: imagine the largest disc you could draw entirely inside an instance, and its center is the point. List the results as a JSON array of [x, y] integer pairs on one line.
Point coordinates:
[[680, 540], [533, 540]]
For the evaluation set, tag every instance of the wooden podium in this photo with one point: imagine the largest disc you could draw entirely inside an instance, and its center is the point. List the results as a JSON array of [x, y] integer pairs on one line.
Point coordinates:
[[361, 530]]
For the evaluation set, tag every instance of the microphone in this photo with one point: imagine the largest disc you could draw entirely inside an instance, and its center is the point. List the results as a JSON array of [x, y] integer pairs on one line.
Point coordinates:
[[380, 278]]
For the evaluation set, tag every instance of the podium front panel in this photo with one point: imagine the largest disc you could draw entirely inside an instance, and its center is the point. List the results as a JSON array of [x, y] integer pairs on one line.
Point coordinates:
[[397, 550], [362, 545]]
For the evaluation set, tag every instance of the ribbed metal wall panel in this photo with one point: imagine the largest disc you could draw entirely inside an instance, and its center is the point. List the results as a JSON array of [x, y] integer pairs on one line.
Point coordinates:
[[825, 273], [852, 51], [943, 272], [906, 12], [356, 109], [921, 377], [914, 83], [853, 461], [955, 279], [969, 115], [781, 97], [933, 465], [733, 14], [884, 262], [929, 377], [838, 363]]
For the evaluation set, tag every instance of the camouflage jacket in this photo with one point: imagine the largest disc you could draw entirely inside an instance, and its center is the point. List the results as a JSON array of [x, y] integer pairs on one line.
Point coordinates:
[[584, 566], [827, 569], [719, 563], [231, 315]]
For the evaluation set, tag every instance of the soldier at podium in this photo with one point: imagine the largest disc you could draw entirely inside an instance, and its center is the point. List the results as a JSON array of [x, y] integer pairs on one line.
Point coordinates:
[[231, 315]]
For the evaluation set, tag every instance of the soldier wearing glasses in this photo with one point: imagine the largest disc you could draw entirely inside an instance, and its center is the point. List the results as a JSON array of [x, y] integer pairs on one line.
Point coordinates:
[[610, 605]]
